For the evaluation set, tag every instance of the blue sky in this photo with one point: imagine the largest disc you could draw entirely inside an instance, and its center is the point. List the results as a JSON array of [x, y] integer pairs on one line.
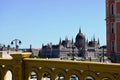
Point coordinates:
[[43, 21]]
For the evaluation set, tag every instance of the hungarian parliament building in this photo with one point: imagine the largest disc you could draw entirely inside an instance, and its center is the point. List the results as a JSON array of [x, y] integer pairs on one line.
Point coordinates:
[[80, 48]]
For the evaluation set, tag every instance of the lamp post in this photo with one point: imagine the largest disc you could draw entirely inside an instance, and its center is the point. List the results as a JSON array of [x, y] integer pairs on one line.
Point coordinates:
[[17, 42], [8, 48]]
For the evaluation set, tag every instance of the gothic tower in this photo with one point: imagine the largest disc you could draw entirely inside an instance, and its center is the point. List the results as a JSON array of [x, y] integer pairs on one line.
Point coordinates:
[[113, 29]]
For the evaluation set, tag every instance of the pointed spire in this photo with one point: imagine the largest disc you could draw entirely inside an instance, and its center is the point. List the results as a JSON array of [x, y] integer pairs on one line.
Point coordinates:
[[30, 46], [93, 37], [42, 45], [79, 30], [60, 41], [98, 41], [72, 41]]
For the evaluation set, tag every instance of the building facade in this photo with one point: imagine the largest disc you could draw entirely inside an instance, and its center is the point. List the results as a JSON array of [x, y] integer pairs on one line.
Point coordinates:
[[70, 49], [113, 29]]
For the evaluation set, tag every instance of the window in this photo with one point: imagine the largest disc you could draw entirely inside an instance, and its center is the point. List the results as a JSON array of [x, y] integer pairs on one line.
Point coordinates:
[[112, 28], [112, 9], [113, 46]]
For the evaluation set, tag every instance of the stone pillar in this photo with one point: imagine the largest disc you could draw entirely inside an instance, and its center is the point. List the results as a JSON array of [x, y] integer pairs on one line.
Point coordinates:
[[67, 77], [18, 66], [53, 77]]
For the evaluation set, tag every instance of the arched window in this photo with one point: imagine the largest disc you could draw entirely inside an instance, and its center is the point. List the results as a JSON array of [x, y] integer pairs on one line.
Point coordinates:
[[89, 78], [8, 75], [46, 76], [112, 9], [112, 28], [60, 77], [33, 76], [73, 77]]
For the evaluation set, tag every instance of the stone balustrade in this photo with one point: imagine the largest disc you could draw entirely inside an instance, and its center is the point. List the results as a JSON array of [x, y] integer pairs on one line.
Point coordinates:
[[24, 68]]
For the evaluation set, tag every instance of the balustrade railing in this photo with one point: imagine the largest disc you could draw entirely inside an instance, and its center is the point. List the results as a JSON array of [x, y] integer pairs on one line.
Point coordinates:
[[21, 67]]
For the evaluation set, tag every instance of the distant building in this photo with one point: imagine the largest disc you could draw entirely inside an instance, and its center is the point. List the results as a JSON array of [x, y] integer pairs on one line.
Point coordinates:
[[35, 52], [68, 49], [5, 51], [113, 29], [92, 48]]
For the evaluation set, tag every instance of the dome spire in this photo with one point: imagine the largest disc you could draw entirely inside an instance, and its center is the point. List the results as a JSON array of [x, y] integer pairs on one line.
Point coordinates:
[[79, 30]]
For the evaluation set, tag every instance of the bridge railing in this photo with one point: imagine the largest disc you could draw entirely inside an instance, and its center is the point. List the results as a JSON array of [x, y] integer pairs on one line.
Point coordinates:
[[24, 68]]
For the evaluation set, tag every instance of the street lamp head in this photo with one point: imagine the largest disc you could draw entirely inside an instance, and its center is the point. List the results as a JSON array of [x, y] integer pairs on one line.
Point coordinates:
[[12, 43], [20, 42], [8, 47], [17, 42]]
